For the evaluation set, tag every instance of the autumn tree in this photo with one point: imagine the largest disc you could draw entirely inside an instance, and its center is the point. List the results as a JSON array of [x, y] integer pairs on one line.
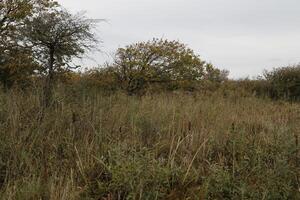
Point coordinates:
[[16, 61], [159, 61], [11, 15], [56, 38], [12, 12]]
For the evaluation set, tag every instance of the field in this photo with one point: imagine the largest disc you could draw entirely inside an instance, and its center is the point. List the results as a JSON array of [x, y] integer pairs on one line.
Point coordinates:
[[175, 146]]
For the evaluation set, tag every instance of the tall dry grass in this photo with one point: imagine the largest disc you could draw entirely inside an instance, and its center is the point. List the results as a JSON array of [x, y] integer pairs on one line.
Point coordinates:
[[164, 146]]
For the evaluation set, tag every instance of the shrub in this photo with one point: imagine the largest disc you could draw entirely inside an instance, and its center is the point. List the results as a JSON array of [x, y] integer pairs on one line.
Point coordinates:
[[284, 82]]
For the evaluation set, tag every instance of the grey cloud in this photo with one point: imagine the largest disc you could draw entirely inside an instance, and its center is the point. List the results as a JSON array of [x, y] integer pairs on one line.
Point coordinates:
[[240, 35]]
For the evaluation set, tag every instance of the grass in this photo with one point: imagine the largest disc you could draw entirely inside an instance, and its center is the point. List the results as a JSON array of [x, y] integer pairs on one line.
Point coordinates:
[[163, 146]]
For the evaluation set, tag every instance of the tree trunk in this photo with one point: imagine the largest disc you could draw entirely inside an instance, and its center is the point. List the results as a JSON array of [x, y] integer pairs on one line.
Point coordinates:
[[48, 88]]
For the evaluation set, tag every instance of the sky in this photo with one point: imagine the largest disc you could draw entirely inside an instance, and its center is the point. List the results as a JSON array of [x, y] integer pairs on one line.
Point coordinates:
[[242, 36]]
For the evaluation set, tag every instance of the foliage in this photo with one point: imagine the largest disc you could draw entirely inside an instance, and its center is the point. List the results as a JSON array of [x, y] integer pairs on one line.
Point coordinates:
[[11, 57], [59, 34], [285, 82], [102, 78], [56, 37], [169, 63], [17, 68], [16, 62], [12, 12]]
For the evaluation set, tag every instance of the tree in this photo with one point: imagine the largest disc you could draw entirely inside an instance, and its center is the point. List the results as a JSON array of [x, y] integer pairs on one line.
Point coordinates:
[[56, 37], [16, 62], [159, 61], [12, 16], [11, 13]]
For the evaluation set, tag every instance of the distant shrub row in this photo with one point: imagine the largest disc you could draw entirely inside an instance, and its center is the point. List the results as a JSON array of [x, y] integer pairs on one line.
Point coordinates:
[[278, 84]]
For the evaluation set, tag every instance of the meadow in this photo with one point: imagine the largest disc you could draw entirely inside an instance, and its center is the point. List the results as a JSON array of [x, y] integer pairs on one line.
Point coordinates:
[[171, 145], [155, 122]]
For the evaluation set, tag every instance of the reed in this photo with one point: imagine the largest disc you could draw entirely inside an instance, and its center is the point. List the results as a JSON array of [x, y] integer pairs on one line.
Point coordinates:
[[163, 146]]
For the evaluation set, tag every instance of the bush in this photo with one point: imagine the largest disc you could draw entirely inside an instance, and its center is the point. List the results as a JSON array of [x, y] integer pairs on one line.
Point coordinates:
[[284, 82]]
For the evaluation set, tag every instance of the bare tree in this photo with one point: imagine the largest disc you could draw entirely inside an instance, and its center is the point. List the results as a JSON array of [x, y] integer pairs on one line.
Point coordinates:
[[57, 37]]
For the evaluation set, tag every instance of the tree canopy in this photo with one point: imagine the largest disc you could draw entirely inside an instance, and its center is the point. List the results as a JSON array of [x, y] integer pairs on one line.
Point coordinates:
[[59, 36], [16, 61], [56, 37], [160, 61]]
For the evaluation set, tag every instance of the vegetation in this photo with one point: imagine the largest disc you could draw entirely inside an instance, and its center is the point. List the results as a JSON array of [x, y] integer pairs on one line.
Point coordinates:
[[156, 123], [284, 82], [278, 84], [168, 63], [161, 146], [56, 38], [45, 36], [17, 63], [11, 15]]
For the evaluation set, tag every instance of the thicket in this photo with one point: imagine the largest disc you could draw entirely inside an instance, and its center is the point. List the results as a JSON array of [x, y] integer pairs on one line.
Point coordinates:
[[284, 82], [278, 84]]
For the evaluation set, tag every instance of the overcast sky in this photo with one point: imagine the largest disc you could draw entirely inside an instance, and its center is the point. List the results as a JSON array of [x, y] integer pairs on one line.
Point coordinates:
[[243, 36]]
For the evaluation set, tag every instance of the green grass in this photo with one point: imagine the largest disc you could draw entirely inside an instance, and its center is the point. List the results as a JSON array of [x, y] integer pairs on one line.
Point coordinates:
[[164, 146]]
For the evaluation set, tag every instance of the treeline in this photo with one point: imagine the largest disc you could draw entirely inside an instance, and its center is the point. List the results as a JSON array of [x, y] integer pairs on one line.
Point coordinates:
[[39, 40]]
